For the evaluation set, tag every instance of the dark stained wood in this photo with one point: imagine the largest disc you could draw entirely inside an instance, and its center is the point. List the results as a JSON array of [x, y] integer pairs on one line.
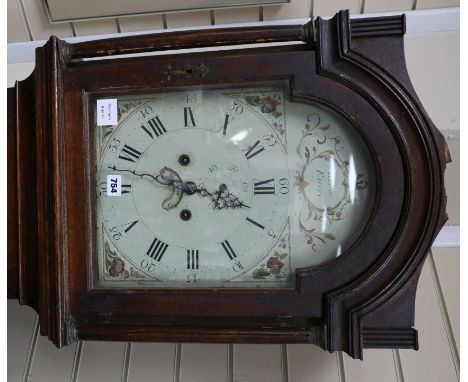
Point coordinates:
[[190, 39], [364, 298], [12, 200], [50, 187], [22, 210]]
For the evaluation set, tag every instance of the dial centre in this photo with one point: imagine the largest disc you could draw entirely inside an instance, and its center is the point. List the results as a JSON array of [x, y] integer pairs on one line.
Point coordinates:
[[215, 198], [189, 188]]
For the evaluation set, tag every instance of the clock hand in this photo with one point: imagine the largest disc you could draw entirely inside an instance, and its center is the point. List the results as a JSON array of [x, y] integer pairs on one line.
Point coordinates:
[[171, 177], [166, 177], [222, 198]]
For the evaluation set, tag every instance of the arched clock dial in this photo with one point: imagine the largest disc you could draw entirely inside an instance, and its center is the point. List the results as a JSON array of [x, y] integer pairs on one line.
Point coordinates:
[[226, 188]]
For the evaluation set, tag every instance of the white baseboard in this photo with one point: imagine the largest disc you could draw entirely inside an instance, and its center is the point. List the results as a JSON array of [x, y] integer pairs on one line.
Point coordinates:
[[420, 21]]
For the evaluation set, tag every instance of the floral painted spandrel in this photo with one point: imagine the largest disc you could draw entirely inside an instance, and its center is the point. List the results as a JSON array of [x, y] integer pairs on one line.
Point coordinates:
[[116, 267], [269, 105], [276, 265]]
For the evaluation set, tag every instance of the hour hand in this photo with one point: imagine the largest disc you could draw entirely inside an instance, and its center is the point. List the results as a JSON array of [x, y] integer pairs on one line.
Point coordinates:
[[166, 177], [169, 177]]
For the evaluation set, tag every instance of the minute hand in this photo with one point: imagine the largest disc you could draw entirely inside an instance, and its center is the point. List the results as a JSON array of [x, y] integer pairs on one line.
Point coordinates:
[[222, 198]]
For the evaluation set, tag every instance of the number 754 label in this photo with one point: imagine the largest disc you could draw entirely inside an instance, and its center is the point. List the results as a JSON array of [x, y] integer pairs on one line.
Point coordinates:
[[114, 185]]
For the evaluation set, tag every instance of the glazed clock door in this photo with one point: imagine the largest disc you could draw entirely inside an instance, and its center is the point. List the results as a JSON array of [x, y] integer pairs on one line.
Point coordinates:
[[224, 188]]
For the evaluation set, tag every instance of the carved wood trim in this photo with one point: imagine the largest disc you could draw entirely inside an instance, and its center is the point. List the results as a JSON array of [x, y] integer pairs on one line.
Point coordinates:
[[191, 39], [390, 338], [50, 225], [378, 26], [12, 202], [184, 72], [380, 87]]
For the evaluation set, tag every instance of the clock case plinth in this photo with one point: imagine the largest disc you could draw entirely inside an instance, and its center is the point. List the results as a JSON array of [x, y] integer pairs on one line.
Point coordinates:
[[363, 299]]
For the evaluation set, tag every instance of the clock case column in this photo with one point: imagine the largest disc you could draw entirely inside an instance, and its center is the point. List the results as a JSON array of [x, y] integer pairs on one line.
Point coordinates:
[[374, 305]]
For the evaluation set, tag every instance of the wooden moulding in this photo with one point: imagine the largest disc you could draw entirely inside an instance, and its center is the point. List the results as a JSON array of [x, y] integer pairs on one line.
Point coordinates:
[[21, 178], [191, 39], [364, 298]]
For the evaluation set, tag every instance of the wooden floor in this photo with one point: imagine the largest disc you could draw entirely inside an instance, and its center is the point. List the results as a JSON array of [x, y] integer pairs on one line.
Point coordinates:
[[34, 358]]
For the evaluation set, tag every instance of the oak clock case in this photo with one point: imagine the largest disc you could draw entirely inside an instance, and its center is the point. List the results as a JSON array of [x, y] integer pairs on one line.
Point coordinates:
[[282, 194]]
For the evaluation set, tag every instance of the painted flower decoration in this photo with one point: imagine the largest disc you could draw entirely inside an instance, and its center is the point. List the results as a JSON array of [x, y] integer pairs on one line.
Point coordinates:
[[117, 268], [274, 264], [268, 105]]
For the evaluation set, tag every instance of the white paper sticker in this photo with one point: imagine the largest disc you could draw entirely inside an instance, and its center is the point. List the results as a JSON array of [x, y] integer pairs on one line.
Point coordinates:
[[107, 112], [114, 185]]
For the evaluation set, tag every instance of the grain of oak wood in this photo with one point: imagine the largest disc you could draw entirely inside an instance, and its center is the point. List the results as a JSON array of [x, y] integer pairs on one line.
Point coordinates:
[[268, 323], [306, 360]]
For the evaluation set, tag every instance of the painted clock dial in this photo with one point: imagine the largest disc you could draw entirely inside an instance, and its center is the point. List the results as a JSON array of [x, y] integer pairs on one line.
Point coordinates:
[[226, 188]]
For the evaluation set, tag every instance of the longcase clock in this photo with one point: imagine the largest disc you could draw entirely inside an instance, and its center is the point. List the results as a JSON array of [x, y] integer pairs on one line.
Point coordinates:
[[286, 193]]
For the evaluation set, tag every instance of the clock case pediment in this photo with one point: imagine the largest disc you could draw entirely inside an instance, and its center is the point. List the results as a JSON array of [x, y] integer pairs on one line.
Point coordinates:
[[362, 299]]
